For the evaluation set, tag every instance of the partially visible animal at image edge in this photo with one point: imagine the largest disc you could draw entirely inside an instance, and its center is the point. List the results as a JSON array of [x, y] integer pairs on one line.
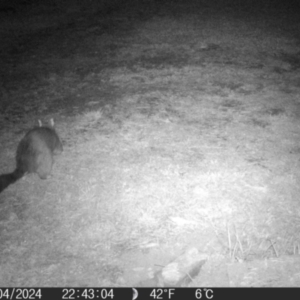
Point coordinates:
[[34, 154]]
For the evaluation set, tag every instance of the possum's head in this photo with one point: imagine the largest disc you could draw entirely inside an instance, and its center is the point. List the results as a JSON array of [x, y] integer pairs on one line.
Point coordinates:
[[53, 139]]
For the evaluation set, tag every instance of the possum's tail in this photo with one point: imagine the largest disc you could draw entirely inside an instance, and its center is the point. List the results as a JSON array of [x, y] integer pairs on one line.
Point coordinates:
[[7, 179]]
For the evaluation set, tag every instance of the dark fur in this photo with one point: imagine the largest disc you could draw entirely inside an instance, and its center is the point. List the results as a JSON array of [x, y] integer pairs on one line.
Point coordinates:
[[34, 155]]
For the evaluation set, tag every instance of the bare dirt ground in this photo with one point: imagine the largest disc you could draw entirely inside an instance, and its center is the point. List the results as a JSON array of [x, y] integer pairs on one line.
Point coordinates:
[[181, 128]]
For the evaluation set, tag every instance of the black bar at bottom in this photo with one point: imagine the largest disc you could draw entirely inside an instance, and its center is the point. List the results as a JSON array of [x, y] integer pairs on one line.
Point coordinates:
[[217, 293], [147, 293]]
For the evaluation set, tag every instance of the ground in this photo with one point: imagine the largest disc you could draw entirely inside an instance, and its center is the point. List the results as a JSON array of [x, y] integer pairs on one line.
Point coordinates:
[[180, 122]]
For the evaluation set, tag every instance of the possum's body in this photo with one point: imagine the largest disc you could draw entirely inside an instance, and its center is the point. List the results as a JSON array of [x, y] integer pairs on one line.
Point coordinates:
[[34, 155]]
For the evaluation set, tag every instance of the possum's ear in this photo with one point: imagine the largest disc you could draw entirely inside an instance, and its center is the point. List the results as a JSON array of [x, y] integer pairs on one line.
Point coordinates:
[[40, 123], [51, 122]]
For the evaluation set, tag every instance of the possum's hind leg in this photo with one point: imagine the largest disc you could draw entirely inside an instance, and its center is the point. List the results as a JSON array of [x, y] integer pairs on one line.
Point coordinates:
[[44, 164]]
